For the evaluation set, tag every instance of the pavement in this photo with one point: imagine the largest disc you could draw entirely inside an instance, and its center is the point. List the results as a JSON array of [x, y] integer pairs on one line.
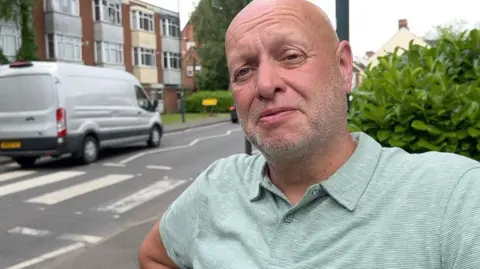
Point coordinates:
[[61, 215]]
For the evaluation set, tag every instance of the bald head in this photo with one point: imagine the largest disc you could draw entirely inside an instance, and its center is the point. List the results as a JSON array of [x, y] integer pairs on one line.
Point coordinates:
[[302, 11]]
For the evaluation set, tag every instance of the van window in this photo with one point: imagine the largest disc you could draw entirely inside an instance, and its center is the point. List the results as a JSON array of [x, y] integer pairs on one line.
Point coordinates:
[[142, 98], [26, 93]]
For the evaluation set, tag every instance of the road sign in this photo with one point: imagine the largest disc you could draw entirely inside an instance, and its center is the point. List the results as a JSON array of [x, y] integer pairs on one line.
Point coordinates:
[[209, 102]]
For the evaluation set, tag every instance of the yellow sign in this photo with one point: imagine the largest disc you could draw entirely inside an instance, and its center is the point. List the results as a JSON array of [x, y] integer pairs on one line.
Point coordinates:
[[10, 145], [209, 102]]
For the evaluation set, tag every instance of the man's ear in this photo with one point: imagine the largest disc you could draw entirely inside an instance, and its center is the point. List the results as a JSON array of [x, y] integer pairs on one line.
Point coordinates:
[[345, 63]]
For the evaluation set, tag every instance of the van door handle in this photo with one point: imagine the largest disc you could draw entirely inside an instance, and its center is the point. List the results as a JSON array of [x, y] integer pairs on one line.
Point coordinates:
[[139, 112]]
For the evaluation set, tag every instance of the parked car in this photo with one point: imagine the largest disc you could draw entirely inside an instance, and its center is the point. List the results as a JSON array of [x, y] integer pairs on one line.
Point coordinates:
[[233, 114], [53, 109]]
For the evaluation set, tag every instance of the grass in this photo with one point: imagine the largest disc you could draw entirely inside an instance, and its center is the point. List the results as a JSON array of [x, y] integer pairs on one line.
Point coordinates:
[[177, 117]]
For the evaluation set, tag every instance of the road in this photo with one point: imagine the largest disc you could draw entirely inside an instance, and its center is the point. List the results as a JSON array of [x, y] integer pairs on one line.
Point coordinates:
[[51, 213]]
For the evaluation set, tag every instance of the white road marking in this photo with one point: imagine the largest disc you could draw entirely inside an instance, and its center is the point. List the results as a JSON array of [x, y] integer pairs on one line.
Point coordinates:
[[136, 156], [191, 144], [159, 167], [79, 189], [29, 231], [38, 181], [123, 205], [15, 174], [195, 129], [47, 256], [84, 238], [114, 164]]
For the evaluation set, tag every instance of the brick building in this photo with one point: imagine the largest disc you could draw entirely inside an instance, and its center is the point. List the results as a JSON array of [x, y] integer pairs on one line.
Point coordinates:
[[190, 58], [125, 34]]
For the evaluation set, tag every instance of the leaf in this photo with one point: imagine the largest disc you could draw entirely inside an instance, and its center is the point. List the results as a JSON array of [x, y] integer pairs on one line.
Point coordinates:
[[419, 125], [473, 132], [383, 135], [427, 145]]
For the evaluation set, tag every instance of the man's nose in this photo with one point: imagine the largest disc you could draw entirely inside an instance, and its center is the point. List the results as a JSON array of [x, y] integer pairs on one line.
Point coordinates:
[[268, 80]]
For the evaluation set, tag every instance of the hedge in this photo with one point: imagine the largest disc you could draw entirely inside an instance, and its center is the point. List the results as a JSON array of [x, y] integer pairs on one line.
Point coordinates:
[[193, 103], [425, 99]]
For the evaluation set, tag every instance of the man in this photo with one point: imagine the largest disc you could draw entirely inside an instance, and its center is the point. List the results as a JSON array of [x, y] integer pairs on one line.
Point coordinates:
[[318, 196]]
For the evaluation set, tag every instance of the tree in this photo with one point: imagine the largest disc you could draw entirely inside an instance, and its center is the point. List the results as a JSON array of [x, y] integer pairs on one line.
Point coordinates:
[[450, 30], [20, 11], [210, 21]]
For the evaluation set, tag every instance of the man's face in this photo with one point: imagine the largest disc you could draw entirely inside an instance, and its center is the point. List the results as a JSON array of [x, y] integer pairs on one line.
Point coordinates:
[[285, 80]]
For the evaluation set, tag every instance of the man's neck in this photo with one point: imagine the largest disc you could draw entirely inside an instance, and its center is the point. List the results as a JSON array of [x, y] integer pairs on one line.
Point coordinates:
[[294, 176]]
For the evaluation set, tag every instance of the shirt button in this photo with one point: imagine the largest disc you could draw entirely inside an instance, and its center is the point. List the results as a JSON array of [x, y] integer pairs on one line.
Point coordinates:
[[288, 219], [315, 192]]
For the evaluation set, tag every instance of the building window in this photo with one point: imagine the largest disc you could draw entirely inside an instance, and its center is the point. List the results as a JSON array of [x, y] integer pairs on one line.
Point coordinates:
[[10, 41], [65, 6], [108, 11], [110, 53], [144, 57], [170, 27], [142, 21], [62, 47], [171, 60]]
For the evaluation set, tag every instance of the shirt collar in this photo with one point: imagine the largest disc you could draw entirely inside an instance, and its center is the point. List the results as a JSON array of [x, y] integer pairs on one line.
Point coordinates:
[[347, 185]]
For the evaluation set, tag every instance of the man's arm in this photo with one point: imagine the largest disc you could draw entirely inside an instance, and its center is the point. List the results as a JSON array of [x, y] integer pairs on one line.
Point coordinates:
[[461, 225], [153, 254], [170, 243]]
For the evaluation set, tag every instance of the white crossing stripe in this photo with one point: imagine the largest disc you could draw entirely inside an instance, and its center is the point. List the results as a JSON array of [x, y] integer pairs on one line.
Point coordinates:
[[159, 167], [38, 181], [90, 239], [79, 189], [47, 256], [142, 196], [15, 174], [29, 231]]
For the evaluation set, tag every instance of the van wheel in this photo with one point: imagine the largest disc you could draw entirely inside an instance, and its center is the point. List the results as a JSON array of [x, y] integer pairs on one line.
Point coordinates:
[[26, 162], [155, 137], [89, 150]]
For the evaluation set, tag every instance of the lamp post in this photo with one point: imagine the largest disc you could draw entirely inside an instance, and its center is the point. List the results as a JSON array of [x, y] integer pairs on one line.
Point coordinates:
[[180, 63], [342, 14]]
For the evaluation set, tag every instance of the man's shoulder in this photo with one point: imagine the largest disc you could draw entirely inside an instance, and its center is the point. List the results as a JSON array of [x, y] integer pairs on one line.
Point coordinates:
[[439, 168]]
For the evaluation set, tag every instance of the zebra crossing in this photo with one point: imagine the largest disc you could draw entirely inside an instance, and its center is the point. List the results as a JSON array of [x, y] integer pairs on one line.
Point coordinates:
[[98, 193], [76, 183]]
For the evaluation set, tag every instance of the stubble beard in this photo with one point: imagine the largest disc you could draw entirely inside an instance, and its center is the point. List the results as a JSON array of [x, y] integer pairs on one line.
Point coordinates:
[[316, 137]]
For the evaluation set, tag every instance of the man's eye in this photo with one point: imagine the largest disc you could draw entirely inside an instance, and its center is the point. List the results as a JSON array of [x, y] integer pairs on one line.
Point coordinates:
[[291, 57], [242, 72]]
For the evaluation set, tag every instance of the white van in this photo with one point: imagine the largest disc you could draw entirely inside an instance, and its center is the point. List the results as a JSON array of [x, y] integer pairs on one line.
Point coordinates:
[[52, 109]]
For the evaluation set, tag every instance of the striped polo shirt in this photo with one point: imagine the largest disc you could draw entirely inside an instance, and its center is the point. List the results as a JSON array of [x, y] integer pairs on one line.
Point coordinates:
[[384, 208]]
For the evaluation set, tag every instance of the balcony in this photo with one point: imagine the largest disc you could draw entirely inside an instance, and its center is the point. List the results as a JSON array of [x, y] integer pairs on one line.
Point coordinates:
[[109, 32], [171, 44], [62, 23], [172, 76], [144, 39], [146, 75]]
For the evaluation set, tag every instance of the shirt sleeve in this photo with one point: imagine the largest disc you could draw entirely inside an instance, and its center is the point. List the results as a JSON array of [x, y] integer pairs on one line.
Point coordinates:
[[179, 224], [461, 224]]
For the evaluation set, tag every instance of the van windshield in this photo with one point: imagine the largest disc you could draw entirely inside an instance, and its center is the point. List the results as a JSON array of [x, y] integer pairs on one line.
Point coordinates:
[[26, 93]]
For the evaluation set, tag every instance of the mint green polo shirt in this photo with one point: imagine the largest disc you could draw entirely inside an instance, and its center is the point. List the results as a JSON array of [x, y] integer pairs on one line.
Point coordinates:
[[384, 208]]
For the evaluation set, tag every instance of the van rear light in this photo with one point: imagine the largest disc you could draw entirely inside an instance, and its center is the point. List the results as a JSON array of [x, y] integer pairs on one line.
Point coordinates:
[[61, 123], [20, 64], [232, 108]]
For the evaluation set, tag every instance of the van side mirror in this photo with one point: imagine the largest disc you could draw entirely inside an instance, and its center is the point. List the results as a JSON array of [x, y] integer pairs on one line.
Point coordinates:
[[155, 104]]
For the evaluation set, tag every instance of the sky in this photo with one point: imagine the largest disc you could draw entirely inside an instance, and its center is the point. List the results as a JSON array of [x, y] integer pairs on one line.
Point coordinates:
[[374, 22]]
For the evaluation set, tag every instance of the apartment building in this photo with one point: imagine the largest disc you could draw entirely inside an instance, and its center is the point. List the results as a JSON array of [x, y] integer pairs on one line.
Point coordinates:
[[124, 34]]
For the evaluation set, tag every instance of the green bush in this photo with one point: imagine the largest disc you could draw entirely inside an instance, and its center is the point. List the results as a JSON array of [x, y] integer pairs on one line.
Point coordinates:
[[425, 99], [193, 103]]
